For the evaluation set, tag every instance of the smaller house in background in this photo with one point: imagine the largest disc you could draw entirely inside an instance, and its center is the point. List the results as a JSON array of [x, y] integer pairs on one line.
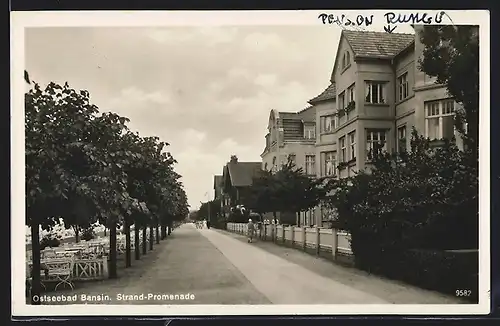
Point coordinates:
[[237, 178], [291, 136]]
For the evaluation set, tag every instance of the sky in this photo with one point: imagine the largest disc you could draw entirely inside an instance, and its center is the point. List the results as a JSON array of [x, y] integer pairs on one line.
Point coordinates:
[[207, 91]]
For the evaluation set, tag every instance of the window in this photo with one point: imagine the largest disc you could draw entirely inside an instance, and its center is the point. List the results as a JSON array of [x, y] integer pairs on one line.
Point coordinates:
[[329, 163], [375, 142], [352, 146], [309, 132], [310, 164], [327, 123], [402, 139], [375, 92], [439, 119], [403, 86], [350, 94], [265, 166], [342, 101], [291, 158], [343, 149], [274, 161], [346, 59]]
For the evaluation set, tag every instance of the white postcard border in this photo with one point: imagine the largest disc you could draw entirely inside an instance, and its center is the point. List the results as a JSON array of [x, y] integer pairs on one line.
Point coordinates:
[[21, 20]]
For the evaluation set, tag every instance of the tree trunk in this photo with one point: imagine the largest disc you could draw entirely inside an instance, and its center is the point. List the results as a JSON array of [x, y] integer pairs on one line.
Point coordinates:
[[170, 227], [112, 251], [128, 258], [144, 240], [163, 231], [157, 234], [77, 233], [151, 237], [35, 270], [105, 231], [275, 220], [136, 240]]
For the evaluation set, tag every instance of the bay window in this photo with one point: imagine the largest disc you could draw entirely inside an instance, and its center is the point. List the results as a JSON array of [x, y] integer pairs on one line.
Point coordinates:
[[327, 123], [352, 146], [350, 94], [341, 105], [343, 149], [439, 119], [375, 142], [329, 163], [375, 92], [403, 86], [402, 139], [310, 165]]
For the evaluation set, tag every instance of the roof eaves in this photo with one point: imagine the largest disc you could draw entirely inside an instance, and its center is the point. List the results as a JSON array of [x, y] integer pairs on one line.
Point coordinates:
[[405, 48]]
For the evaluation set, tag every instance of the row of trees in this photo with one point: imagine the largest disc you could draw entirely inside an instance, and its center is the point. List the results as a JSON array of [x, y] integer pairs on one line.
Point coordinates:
[[85, 167]]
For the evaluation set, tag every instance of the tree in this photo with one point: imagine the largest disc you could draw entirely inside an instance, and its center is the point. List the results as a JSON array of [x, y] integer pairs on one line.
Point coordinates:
[[84, 167], [262, 195], [56, 119], [410, 201], [296, 191], [288, 190], [452, 55]]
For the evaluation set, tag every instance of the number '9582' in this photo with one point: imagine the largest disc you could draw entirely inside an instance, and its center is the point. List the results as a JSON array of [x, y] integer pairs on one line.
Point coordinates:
[[463, 293]]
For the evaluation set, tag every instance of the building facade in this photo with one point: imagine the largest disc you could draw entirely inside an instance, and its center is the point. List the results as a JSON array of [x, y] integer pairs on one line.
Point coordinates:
[[326, 146], [381, 94], [291, 135], [237, 177], [377, 96]]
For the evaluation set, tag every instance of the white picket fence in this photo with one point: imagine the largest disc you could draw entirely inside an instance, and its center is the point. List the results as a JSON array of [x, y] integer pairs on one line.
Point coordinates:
[[320, 239]]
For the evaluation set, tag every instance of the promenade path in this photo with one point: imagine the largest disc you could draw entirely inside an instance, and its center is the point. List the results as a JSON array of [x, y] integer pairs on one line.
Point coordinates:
[[219, 267]]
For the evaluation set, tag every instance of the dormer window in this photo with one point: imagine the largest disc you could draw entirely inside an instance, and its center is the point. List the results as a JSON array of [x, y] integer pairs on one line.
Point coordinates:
[[346, 59]]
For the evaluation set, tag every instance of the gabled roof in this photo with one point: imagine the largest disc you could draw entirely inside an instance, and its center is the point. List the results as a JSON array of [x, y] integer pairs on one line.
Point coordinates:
[[328, 94], [242, 173], [307, 114], [380, 45], [376, 45]]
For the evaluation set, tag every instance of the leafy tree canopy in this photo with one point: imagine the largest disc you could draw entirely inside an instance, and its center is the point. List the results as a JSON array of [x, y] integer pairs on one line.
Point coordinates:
[[451, 54]]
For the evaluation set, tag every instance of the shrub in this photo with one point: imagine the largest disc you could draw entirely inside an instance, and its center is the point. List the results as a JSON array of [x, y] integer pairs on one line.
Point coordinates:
[[423, 199], [436, 270], [238, 216], [88, 234], [49, 241]]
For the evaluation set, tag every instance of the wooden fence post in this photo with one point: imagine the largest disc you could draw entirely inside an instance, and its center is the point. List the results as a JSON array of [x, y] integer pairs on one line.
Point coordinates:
[[304, 237], [318, 244], [335, 243], [292, 235], [283, 233]]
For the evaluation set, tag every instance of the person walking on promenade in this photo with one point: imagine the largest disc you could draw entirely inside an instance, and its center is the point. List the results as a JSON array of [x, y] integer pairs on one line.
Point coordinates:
[[250, 230]]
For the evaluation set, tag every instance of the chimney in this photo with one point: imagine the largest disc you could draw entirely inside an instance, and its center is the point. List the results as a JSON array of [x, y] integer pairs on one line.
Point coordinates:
[[234, 159]]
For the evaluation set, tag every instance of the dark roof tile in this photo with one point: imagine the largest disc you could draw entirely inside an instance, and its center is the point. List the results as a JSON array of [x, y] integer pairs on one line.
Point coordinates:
[[328, 94], [377, 44], [242, 173]]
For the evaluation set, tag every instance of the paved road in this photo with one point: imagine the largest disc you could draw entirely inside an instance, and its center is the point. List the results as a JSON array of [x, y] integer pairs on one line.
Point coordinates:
[[218, 267]]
